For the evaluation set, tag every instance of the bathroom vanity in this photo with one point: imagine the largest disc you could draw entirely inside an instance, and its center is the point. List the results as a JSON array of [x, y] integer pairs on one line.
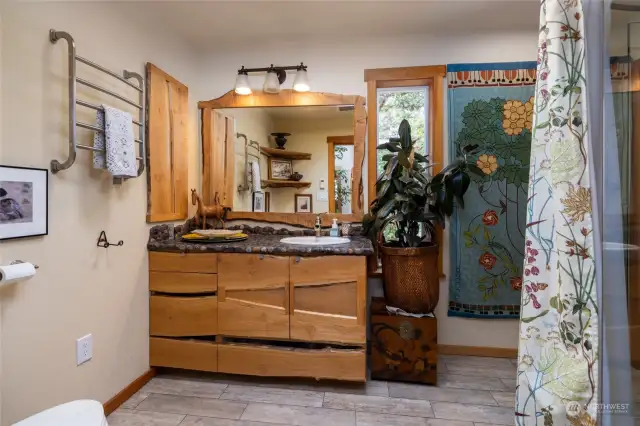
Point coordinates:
[[259, 307], [263, 306]]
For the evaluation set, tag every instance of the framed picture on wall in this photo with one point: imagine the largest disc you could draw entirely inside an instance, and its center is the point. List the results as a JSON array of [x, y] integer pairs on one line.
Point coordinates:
[[303, 203], [258, 202], [280, 169], [24, 210]]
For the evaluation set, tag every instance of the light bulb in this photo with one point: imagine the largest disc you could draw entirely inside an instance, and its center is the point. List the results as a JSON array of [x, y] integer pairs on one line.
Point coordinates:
[[301, 82], [271, 82], [242, 84]]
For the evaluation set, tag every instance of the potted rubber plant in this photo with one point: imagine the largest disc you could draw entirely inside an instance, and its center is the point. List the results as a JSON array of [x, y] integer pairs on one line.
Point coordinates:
[[402, 219]]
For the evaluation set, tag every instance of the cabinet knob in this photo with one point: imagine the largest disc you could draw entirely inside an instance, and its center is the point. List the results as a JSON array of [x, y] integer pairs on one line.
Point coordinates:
[[262, 257], [298, 259]]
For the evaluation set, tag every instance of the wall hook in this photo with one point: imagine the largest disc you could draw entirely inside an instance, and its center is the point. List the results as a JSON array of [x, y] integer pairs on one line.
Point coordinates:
[[103, 242]]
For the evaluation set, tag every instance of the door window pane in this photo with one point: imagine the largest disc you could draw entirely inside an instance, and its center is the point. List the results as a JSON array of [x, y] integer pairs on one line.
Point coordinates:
[[396, 104]]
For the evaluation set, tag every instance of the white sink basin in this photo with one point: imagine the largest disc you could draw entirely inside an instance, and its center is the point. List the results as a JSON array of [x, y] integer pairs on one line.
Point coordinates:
[[315, 241]]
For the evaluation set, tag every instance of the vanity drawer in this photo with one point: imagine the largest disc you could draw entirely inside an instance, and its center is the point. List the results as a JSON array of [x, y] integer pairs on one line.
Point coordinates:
[[327, 269], [183, 316], [340, 364], [206, 263], [182, 282], [188, 354]]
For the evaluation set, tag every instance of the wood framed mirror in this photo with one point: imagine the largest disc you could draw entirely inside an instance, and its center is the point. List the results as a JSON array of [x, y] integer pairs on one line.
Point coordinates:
[[238, 144]]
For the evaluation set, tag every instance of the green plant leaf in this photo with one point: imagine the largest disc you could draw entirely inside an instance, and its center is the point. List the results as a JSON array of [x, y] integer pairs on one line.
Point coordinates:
[[420, 158], [389, 147], [475, 170], [388, 207], [384, 187], [387, 157], [404, 131], [460, 183], [403, 159]]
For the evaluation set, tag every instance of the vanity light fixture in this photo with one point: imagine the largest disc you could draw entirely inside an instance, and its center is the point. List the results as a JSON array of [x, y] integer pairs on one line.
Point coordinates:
[[301, 82], [242, 83], [274, 79], [271, 81]]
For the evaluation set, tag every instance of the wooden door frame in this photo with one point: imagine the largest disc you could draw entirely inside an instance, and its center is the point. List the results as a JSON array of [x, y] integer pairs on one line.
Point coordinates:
[[432, 76], [332, 141]]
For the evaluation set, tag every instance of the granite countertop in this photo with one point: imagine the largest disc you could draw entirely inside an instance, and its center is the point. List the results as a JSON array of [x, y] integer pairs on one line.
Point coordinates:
[[261, 240]]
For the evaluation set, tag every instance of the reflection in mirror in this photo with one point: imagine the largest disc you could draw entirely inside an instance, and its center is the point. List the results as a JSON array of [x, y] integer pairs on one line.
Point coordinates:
[[302, 176], [341, 163]]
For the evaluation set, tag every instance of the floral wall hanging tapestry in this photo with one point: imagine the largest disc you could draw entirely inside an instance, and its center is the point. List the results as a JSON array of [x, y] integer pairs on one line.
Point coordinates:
[[490, 105]]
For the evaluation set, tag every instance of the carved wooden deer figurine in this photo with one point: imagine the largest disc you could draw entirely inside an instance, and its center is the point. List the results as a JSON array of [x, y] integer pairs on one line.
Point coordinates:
[[216, 211]]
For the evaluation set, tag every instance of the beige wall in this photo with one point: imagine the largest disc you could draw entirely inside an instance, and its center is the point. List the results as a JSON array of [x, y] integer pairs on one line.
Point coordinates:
[[336, 65], [79, 288], [310, 136], [83, 289]]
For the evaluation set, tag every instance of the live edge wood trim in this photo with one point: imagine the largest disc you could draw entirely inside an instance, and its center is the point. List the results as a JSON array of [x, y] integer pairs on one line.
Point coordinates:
[[292, 98], [121, 397], [478, 351], [307, 220]]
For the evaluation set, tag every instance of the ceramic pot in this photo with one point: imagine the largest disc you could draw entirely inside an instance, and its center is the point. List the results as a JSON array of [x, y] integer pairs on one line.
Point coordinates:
[[281, 139]]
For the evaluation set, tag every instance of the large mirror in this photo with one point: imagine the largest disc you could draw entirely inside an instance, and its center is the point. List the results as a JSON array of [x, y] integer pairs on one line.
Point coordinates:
[[282, 160], [286, 157]]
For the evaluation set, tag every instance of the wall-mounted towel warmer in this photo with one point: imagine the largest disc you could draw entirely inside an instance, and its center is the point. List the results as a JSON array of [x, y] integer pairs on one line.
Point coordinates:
[[248, 144], [56, 166]]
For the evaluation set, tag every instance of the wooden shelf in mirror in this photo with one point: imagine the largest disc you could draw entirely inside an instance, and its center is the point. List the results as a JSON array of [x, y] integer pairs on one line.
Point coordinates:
[[285, 184], [283, 153]]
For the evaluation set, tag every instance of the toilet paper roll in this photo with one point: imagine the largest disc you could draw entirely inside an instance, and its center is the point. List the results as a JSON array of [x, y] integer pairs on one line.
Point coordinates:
[[13, 273]]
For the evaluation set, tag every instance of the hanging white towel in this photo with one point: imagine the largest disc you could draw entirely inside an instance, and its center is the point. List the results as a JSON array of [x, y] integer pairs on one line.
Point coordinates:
[[255, 176], [117, 141], [99, 157]]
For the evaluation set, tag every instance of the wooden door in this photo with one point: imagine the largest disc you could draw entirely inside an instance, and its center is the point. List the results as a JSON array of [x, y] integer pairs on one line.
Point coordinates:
[[218, 154], [253, 295], [167, 146], [328, 299]]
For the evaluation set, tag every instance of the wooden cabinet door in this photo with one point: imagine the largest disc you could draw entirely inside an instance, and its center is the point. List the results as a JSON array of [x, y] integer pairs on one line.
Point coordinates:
[[253, 295], [328, 299], [167, 146]]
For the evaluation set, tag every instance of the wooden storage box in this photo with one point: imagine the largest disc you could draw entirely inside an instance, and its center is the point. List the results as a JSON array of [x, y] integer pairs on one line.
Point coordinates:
[[402, 348]]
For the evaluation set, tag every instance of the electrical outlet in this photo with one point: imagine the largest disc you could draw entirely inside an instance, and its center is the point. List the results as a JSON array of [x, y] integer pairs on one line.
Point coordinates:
[[84, 349]]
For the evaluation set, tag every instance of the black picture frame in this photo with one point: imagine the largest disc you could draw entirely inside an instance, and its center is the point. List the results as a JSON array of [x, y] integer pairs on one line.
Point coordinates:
[[41, 223], [257, 202]]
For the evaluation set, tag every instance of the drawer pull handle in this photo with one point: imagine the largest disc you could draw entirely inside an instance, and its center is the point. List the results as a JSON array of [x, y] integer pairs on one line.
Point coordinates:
[[298, 259], [262, 257]]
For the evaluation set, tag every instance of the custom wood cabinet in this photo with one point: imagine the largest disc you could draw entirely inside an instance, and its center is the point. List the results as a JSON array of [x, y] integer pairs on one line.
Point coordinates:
[[328, 299], [236, 313], [253, 295]]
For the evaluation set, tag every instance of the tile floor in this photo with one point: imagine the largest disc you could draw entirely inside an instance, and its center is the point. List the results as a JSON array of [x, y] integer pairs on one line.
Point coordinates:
[[471, 391]]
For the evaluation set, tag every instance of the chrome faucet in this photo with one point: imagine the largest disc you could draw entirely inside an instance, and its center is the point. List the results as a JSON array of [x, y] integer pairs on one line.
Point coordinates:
[[318, 226]]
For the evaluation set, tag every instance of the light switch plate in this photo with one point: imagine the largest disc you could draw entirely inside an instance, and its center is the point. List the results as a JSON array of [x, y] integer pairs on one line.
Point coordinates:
[[84, 349], [322, 196]]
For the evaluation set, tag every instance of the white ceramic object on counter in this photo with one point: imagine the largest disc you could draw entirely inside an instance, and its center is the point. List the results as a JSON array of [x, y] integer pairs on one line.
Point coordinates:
[[315, 241]]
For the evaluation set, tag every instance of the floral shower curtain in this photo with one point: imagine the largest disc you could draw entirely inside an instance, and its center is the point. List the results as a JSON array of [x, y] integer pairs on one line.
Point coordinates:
[[558, 349]]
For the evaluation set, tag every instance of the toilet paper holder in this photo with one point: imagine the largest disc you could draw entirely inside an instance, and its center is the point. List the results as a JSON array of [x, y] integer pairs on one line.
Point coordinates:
[[16, 262]]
